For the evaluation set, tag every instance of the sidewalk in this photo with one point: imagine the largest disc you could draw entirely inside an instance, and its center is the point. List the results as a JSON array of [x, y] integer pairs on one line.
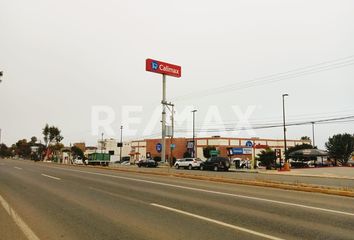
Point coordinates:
[[320, 172]]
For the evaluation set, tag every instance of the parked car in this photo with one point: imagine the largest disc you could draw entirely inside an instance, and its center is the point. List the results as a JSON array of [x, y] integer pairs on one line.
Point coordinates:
[[216, 164], [147, 163], [190, 163], [299, 164], [78, 161]]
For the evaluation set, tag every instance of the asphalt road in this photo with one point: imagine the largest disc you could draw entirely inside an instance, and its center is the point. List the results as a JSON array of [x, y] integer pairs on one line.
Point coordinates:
[[62, 202]]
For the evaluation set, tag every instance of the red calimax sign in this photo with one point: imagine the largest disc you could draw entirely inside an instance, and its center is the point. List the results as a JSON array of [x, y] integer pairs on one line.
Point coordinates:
[[163, 68]]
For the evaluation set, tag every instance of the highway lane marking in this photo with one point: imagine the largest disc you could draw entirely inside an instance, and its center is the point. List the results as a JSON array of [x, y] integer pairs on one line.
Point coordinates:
[[48, 176], [27, 231], [217, 222], [18, 168], [216, 192]]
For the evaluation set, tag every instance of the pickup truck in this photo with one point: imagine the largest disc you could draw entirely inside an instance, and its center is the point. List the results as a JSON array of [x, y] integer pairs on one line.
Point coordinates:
[[102, 159]]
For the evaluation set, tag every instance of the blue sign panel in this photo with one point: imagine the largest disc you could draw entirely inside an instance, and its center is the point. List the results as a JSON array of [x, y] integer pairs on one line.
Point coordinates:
[[249, 144], [159, 147], [237, 151], [240, 151]]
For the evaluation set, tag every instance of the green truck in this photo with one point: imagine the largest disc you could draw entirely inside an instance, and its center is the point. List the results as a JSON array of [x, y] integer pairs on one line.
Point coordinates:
[[102, 159]]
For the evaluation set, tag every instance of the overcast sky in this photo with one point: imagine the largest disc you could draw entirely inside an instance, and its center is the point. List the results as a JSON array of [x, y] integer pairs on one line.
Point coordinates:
[[61, 58]]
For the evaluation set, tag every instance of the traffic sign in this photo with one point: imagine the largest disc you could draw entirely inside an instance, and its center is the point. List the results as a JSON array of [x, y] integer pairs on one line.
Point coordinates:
[[214, 152], [173, 146], [158, 147], [249, 143], [163, 68]]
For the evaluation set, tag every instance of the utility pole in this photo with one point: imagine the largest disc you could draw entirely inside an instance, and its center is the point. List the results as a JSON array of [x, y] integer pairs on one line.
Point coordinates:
[[284, 125], [0, 136], [171, 129], [313, 134], [163, 137], [194, 111], [121, 143]]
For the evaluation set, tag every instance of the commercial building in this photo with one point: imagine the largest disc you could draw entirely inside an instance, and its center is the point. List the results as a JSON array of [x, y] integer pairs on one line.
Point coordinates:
[[111, 146], [243, 148]]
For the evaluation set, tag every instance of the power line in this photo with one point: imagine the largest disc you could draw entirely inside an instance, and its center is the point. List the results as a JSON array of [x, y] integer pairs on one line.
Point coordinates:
[[320, 67], [276, 125], [273, 120]]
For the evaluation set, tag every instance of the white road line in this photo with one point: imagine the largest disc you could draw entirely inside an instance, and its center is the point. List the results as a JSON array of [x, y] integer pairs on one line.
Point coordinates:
[[18, 168], [48, 176], [19, 222], [216, 192], [217, 222]]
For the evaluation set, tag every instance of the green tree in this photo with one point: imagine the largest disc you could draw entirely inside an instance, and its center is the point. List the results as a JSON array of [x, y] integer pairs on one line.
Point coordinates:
[[52, 138], [206, 151], [22, 148], [77, 152], [33, 140], [5, 151], [46, 135], [340, 147], [267, 157], [55, 134]]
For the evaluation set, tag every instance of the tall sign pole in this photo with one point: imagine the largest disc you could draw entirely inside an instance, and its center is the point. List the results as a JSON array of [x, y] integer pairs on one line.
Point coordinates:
[[164, 69], [163, 138]]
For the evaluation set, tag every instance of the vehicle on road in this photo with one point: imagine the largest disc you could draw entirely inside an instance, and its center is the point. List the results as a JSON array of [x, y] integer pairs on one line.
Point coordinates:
[[147, 163], [189, 163], [216, 164]]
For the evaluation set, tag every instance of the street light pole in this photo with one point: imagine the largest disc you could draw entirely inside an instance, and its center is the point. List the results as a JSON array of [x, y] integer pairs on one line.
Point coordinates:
[[284, 128], [102, 143], [194, 111], [121, 143]]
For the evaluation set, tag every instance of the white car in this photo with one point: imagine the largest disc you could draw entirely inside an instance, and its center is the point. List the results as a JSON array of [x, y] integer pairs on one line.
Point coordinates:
[[189, 163], [78, 161]]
